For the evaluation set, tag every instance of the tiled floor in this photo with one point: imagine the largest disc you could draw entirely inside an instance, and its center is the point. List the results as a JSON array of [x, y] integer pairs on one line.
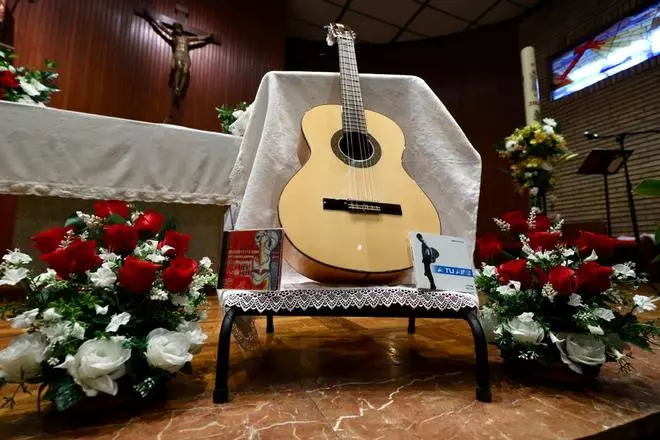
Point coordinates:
[[360, 378]]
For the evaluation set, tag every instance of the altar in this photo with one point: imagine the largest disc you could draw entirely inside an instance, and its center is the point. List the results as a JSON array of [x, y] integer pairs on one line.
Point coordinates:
[[52, 158]]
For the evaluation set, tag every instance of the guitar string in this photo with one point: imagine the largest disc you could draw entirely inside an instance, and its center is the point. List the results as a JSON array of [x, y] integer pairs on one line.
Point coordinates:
[[355, 187], [366, 172], [354, 115], [345, 116]]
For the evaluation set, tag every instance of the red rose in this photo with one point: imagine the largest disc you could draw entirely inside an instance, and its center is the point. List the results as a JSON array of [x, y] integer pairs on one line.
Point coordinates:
[[50, 239], [137, 275], [515, 270], [120, 238], [517, 220], [108, 207], [178, 241], [8, 80], [488, 247], [563, 280], [149, 223], [603, 245], [540, 275], [179, 274], [542, 223], [78, 257], [540, 240], [594, 278]]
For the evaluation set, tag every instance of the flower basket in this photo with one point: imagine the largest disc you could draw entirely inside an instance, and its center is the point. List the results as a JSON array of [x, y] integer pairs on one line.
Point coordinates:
[[116, 313], [556, 303]]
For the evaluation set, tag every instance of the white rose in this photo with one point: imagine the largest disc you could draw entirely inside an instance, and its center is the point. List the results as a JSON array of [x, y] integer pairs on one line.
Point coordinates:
[[13, 276], [585, 349], [103, 276], [489, 321], [97, 364], [24, 355], [16, 257], [168, 350], [25, 319], [195, 334], [524, 329]]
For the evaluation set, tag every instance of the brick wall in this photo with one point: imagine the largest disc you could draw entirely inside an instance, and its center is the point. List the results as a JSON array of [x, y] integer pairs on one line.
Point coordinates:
[[628, 101]]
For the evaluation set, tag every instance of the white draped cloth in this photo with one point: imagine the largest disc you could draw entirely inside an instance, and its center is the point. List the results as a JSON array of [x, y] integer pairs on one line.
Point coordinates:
[[438, 156], [50, 152]]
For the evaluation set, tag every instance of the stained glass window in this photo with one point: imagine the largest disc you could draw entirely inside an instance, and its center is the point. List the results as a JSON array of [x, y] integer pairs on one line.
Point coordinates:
[[627, 43]]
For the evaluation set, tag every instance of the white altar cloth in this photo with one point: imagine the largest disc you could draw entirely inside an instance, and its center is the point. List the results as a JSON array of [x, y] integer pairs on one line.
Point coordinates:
[[437, 155], [51, 152]]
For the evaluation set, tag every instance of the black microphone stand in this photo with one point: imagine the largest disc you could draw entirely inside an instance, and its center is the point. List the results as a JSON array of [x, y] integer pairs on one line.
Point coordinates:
[[620, 139]]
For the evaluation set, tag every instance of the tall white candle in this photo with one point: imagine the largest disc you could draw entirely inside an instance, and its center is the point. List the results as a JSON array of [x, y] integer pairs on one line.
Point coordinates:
[[530, 84]]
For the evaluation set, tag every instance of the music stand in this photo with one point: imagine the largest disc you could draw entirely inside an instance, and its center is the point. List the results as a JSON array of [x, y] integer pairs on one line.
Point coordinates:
[[605, 162]]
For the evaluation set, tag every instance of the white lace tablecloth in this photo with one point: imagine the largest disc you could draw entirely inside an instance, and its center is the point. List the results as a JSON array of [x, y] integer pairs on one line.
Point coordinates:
[[345, 298], [50, 152]]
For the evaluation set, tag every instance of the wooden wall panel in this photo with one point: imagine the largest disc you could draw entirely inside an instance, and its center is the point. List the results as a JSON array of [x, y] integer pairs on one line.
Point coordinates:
[[112, 63], [477, 76]]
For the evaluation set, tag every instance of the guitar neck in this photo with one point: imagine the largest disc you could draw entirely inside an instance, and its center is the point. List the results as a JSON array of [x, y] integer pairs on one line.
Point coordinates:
[[351, 95]]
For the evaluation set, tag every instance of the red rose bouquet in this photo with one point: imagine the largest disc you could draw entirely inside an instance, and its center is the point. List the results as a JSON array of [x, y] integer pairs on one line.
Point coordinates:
[[118, 307], [556, 302]]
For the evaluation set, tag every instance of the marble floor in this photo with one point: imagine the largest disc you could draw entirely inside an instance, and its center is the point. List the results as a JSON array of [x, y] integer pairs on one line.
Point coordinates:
[[335, 378]]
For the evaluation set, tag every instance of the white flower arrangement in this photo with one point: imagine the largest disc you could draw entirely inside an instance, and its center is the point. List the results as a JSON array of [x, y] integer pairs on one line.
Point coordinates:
[[532, 153], [105, 306], [555, 304]]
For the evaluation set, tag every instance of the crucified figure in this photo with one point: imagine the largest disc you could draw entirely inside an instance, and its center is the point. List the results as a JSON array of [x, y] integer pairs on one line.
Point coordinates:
[[181, 45]]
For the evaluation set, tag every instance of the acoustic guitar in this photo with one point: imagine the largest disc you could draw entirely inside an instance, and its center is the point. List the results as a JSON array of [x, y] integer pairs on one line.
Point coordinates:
[[348, 211]]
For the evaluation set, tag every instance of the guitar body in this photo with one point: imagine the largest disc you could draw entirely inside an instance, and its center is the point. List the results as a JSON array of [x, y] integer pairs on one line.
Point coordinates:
[[335, 245]]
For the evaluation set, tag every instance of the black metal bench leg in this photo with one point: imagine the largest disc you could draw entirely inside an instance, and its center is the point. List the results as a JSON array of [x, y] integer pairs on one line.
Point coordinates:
[[270, 328], [411, 325], [481, 354], [221, 391]]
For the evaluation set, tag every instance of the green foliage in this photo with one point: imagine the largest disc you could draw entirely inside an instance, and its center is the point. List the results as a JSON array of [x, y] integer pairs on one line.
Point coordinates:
[[64, 393], [226, 115], [648, 187], [76, 222]]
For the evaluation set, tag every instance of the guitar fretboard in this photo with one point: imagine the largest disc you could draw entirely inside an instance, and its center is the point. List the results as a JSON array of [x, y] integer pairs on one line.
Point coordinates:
[[351, 95]]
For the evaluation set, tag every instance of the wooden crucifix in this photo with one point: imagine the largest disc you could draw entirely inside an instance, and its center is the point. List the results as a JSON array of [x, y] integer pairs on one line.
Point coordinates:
[[182, 39]]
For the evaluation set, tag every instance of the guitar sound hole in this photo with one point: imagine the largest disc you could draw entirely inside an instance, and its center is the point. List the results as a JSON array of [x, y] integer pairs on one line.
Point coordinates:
[[356, 146]]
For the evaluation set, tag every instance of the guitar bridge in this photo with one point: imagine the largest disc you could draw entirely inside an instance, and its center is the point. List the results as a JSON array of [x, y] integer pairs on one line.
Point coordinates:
[[361, 207]]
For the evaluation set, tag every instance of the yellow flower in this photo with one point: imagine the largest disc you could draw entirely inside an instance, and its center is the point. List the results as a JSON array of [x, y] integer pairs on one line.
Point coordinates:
[[540, 137]]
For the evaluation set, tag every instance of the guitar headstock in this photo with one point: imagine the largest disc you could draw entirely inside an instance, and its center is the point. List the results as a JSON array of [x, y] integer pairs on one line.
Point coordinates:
[[336, 31]]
